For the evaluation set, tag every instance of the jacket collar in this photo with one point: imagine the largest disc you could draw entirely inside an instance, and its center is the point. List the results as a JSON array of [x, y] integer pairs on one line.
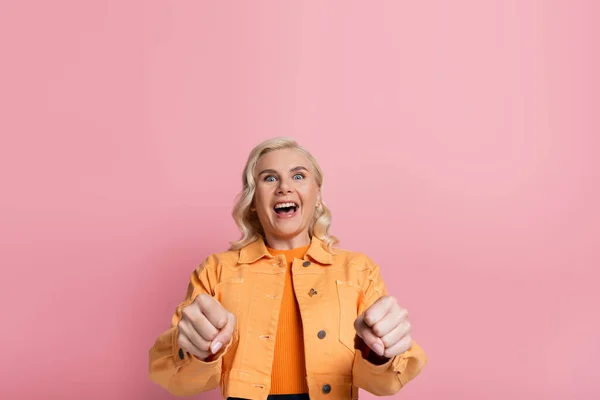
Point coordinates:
[[256, 250]]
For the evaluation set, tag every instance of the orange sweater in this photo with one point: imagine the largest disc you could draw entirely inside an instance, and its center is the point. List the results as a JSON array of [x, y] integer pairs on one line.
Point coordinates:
[[289, 369]]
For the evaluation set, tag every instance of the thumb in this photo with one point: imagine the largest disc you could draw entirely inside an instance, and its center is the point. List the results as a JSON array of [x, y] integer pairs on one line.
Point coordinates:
[[224, 335], [365, 332]]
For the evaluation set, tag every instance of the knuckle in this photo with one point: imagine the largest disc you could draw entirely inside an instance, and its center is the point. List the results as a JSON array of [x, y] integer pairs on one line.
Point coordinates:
[[202, 300], [377, 330], [206, 328], [203, 345], [182, 326], [398, 320], [199, 342], [186, 313], [387, 342], [369, 318], [212, 333], [222, 321]]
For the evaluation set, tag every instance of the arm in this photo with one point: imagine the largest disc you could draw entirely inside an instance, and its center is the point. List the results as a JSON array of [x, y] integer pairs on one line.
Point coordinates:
[[373, 373], [171, 367]]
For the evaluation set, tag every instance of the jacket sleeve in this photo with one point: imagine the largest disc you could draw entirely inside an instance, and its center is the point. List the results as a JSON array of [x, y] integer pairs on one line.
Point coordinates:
[[175, 370], [385, 379]]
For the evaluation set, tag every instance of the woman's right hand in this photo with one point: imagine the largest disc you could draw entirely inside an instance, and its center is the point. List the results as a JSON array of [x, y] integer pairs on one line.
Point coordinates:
[[205, 327]]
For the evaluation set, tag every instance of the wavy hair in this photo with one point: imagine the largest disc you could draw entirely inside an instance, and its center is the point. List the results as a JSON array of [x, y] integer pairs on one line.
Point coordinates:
[[248, 222]]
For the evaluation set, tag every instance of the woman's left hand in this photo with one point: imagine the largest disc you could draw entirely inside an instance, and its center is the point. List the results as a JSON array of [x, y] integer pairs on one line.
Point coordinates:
[[384, 327]]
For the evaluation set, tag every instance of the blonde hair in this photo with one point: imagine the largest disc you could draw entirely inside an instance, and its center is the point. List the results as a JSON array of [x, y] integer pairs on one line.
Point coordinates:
[[247, 221]]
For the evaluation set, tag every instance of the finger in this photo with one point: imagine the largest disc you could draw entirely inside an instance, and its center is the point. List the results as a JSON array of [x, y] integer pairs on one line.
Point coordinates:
[[379, 309], [187, 329], [224, 336], [203, 326], [400, 347], [368, 336], [184, 343], [390, 321], [391, 338], [213, 310]]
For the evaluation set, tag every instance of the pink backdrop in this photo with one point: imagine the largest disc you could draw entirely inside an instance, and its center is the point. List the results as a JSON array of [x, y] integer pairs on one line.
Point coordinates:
[[460, 145]]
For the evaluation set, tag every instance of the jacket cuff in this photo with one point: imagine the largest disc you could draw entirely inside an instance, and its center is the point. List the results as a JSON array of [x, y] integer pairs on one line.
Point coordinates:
[[375, 368], [182, 357], [397, 363]]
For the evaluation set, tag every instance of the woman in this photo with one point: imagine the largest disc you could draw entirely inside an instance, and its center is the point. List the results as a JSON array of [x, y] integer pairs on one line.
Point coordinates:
[[282, 315]]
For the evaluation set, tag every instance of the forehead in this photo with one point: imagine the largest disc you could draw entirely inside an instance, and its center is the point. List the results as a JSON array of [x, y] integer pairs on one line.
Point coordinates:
[[283, 160]]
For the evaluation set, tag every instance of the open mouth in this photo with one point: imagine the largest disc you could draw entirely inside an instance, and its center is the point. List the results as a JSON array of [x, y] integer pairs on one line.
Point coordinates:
[[286, 209]]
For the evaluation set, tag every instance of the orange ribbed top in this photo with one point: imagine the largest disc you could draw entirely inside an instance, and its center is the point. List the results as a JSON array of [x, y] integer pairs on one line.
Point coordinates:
[[289, 369]]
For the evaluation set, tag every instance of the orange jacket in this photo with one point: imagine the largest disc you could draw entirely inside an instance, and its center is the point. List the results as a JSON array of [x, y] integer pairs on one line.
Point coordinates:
[[331, 290]]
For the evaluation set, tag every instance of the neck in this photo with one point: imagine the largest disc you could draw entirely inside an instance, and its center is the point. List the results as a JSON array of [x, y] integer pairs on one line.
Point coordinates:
[[288, 243]]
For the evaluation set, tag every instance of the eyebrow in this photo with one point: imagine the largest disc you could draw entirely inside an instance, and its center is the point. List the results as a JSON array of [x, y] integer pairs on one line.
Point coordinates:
[[272, 171]]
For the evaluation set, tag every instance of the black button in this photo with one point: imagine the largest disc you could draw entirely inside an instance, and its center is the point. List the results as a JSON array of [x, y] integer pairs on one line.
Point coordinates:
[[181, 355], [326, 388], [312, 292], [321, 334], [306, 263]]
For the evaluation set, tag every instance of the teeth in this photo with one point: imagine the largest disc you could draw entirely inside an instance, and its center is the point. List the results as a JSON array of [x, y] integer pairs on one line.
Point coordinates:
[[282, 205]]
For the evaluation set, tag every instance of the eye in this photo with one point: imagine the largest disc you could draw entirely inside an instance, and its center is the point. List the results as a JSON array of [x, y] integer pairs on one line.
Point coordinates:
[[298, 177], [269, 178]]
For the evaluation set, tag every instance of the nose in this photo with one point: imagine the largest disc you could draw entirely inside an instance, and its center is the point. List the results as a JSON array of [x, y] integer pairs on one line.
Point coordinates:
[[284, 187]]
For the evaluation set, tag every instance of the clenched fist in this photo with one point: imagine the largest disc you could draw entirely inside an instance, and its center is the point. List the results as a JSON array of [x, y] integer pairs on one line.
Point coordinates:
[[384, 327], [205, 327]]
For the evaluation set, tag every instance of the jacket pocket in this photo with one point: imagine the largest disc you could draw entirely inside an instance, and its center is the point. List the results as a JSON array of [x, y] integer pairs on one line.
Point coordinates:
[[228, 294], [348, 298]]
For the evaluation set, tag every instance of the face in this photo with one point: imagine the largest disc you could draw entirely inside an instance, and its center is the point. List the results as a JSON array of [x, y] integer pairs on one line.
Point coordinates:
[[286, 197]]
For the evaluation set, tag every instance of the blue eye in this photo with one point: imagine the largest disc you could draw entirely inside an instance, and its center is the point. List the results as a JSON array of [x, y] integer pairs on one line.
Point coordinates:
[[298, 177], [270, 178]]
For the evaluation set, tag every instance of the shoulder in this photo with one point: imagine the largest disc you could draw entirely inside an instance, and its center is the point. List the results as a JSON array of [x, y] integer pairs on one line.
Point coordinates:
[[216, 260], [353, 259], [360, 269]]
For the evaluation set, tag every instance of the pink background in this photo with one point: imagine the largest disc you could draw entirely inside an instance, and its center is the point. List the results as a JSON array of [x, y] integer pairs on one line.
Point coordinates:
[[460, 145]]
